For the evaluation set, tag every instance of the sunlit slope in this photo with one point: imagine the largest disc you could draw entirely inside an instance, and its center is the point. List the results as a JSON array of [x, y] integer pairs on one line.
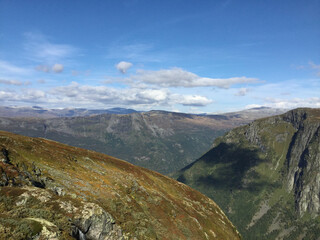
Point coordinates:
[[265, 176], [61, 189]]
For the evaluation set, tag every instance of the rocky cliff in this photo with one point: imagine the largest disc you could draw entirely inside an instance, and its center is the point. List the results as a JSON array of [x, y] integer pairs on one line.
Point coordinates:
[[52, 191], [266, 176]]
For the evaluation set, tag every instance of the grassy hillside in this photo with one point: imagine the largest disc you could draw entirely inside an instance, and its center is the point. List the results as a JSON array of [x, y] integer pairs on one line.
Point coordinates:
[[265, 176], [54, 191]]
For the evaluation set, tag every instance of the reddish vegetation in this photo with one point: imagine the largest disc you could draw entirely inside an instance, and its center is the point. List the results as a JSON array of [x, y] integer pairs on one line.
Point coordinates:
[[143, 202]]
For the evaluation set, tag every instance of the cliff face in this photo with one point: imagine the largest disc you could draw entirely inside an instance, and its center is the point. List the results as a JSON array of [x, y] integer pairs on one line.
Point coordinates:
[[271, 168], [303, 161], [302, 155], [52, 191]]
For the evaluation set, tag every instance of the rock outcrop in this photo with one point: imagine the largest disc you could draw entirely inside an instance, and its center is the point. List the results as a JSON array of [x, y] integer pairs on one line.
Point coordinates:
[[92, 222], [36, 206]]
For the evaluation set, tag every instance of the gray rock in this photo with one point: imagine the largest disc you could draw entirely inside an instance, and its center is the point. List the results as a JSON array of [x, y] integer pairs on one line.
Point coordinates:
[[93, 223], [303, 162]]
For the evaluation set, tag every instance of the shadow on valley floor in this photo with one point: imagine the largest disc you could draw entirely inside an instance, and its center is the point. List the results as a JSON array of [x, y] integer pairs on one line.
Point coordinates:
[[227, 166]]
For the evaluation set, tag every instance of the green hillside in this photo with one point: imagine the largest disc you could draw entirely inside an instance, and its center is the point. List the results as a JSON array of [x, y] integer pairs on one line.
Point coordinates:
[[265, 176]]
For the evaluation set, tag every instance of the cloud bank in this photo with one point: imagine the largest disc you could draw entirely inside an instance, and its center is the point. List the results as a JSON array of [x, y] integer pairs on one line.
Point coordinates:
[[177, 77], [84, 94]]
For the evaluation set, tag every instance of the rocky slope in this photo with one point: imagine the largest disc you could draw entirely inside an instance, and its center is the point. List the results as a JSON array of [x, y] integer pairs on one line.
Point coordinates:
[[266, 176], [53, 191], [161, 141]]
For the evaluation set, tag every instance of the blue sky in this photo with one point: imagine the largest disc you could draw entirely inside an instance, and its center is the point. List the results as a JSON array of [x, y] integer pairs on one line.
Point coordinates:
[[188, 56]]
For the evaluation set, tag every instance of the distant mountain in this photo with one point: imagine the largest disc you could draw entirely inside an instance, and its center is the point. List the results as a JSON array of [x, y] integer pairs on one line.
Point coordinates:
[[52, 191], [158, 140], [265, 176], [256, 113], [39, 112]]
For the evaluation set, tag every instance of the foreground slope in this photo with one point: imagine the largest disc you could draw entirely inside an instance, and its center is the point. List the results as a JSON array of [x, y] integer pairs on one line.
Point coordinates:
[[266, 176], [53, 191]]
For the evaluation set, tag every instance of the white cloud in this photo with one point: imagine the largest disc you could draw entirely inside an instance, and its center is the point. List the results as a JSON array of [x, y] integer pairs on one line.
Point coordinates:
[[177, 77], [242, 92], [107, 95], [153, 94], [123, 66], [57, 68], [13, 82], [193, 100]]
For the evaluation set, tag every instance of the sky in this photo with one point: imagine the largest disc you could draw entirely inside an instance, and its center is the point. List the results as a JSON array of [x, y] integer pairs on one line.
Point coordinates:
[[196, 56]]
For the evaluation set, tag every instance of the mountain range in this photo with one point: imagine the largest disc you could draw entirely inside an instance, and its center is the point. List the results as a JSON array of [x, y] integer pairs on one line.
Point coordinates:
[[265, 176], [158, 140], [40, 112]]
